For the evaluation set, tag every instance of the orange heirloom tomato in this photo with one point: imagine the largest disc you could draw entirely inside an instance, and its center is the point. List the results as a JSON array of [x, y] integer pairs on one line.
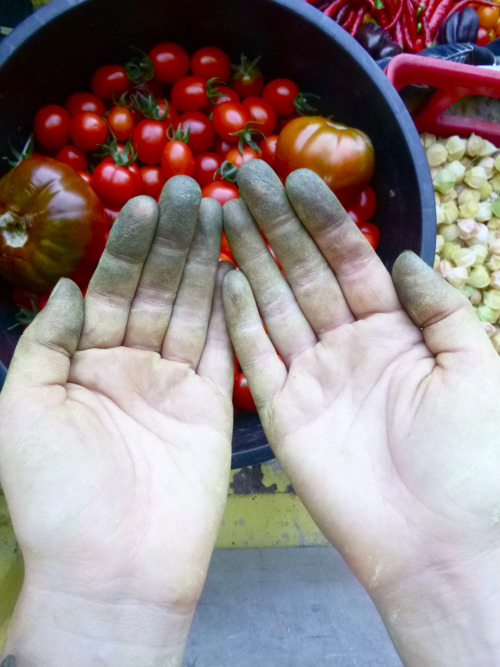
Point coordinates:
[[343, 156], [52, 224]]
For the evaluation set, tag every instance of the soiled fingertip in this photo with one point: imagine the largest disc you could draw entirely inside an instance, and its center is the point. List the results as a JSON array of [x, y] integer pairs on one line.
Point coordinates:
[[180, 188]]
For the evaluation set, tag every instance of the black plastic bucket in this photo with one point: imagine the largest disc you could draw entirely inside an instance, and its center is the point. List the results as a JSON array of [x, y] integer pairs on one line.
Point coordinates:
[[54, 52]]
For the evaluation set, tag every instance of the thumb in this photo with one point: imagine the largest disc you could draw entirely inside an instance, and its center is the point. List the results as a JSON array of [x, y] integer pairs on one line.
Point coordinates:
[[445, 315], [44, 351]]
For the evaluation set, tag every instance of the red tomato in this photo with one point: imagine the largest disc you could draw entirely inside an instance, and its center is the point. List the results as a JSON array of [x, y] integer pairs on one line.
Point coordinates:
[[224, 257], [365, 203], [222, 191], [73, 156], [189, 93], [78, 102], [121, 122], [201, 131], [262, 113], [226, 94], [152, 180], [268, 148], [488, 16], [115, 184], [51, 126], [248, 79], [177, 158], [341, 155], [224, 245], [51, 207], [242, 397], [483, 37], [170, 61], [221, 147], [205, 166], [86, 176], [281, 93], [88, 130], [109, 81], [149, 138], [211, 62], [229, 118], [371, 232], [236, 157]]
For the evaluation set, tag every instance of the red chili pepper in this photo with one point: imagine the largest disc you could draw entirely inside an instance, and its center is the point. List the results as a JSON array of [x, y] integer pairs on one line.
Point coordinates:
[[426, 31], [395, 18], [398, 34], [412, 23], [443, 10], [349, 20], [358, 21], [342, 14], [379, 12], [334, 7]]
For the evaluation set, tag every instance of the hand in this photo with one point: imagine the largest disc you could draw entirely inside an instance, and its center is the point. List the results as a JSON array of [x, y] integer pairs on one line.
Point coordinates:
[[116, 441], [382, 408]]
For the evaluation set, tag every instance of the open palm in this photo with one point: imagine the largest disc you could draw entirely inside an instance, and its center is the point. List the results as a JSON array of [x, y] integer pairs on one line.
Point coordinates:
[[367, 406], [117, 416]]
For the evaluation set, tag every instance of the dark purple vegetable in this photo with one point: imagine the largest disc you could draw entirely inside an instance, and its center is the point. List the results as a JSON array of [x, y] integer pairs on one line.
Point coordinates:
[[377, 41], [459, 27]]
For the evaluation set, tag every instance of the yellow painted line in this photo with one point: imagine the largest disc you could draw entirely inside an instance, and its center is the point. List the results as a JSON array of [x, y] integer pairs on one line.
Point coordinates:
[[267, 520]]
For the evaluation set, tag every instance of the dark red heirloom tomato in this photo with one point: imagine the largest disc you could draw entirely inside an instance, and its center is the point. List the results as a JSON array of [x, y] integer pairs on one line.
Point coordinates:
[[341, 155], [52, 224]]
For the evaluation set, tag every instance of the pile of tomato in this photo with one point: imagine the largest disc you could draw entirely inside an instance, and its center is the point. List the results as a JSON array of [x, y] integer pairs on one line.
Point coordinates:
[[166, 112]]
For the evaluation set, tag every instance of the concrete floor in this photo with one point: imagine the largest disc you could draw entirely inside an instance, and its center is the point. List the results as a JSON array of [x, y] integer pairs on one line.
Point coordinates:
[[286, 607]]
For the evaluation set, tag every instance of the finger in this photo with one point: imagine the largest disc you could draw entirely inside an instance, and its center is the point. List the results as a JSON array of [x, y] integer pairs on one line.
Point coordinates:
[[312, 280], [187, 329], [157, 289], [287, 325], [364, 280], [113, 285], [445, 315], [43, 354], [217, 359], [265, 372]]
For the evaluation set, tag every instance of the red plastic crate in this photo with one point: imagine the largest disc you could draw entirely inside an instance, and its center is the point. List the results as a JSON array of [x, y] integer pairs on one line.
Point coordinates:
[[453, 81]]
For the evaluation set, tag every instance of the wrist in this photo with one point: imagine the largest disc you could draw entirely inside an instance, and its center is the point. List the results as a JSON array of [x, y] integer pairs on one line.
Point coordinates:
[[60, 628], [446, 615]]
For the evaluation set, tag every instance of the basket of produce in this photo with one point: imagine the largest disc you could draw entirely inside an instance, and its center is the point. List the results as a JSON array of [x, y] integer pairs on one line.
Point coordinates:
[[460, 131], [118, 113]]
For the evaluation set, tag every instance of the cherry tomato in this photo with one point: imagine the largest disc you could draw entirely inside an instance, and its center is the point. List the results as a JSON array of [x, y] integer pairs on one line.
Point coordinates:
[[201, 131], [367, 233], [211, 62], [224, 257], [49, 206], [109, 81], [115, 184], [369, 229], [247, 78], [170, 61], [78, 102], [149, 138], [224, 245], [205, 166], [112, 214], [281, 93], [268, 148], [189, 93], [86, 176], [73, 156], [483, 37], [121, 122], [51, 126], [242, 397], [343, 156], [222, 191], [226, 94], [152, 180], [221, 147], [177, 158], [488, 16], [88, 130], [365, 203], [236, 157], [229, 118], [262, 113]]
